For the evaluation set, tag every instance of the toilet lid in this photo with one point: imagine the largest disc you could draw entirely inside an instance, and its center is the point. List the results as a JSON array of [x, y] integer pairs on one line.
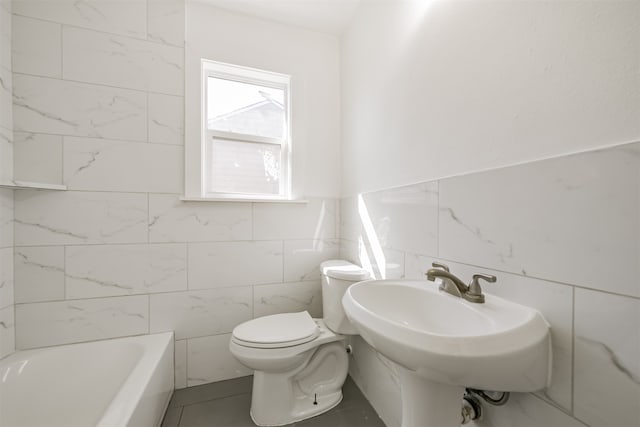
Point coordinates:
[[278, 330]]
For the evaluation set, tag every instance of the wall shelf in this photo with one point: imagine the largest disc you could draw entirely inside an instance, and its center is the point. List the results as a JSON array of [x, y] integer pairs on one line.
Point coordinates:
[[23, 185]]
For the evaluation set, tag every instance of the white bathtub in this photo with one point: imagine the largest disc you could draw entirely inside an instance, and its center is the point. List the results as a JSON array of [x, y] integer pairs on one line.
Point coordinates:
[[112, 383]]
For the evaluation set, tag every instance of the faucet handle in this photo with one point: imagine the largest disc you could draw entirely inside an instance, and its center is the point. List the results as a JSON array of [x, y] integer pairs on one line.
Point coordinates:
[[488, 277], [474, 293], [445, 267]]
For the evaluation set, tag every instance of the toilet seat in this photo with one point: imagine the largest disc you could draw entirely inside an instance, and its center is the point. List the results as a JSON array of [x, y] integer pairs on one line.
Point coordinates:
[[277, 331]]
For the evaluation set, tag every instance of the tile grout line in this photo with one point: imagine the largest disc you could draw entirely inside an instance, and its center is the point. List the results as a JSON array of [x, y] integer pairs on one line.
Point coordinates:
[[77, 27], [98, 138], [101, 85], [180, 416]]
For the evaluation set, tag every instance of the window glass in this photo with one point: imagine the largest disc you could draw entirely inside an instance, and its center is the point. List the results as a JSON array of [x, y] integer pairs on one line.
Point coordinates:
[[245, 108], [245, 132], [245, 167]]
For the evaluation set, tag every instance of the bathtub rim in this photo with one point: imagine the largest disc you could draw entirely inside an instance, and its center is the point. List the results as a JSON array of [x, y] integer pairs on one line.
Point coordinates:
[[156, 349], [142, 373]]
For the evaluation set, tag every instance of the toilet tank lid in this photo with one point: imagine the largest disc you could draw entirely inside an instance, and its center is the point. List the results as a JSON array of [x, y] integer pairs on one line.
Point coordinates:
[[277, 329], [344, 270]]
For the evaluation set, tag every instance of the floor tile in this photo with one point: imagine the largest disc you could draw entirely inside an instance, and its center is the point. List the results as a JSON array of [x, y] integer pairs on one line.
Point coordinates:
[[217, 390], [228, 412], [351, 395], [350, 417], [227, 404]]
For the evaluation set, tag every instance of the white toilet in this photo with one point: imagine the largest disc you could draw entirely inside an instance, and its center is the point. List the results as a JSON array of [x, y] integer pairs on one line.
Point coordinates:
[[300, 363]]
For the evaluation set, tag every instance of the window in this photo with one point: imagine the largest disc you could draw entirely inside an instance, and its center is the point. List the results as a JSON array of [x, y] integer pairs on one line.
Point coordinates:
[[246, 143]]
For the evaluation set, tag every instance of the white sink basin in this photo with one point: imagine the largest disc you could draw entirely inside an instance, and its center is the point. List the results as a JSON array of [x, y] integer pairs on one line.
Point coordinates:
[[443, 342]]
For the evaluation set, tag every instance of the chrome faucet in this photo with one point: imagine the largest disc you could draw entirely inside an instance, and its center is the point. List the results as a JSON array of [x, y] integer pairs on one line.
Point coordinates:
[[456, 287]]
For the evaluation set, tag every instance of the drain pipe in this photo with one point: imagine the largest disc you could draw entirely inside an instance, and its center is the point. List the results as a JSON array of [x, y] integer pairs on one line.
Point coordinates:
[[471, 407]]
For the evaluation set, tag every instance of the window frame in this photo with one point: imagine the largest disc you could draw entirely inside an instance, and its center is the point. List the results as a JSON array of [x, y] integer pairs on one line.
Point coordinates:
[[248, 75]]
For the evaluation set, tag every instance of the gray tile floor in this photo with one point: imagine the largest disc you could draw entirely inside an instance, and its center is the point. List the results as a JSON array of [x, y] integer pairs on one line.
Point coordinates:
[[226, 404]]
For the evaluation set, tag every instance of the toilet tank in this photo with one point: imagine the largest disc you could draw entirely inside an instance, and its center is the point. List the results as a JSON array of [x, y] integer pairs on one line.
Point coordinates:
[[337, 276]]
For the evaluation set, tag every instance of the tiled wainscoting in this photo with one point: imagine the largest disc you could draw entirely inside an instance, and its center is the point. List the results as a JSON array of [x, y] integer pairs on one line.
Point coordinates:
[[561, 235], [7, 325], [93, 265]]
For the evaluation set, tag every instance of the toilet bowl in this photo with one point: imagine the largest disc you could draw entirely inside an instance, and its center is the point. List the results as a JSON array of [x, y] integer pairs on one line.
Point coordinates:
[[299, 363]]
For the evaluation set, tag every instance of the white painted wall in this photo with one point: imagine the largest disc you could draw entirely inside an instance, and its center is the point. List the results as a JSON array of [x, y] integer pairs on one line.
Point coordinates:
[[311, 58], [439, 88]]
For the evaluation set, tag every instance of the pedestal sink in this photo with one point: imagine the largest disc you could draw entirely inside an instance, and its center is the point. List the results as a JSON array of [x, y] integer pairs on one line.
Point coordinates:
[[442, 344]]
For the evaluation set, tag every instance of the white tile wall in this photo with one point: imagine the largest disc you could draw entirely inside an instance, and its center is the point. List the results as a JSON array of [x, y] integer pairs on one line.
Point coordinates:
[[58, 218], [302, 258], [312, 220], [7, 331], [6, 155], [6, 277], [6, 218], [200, 313], [525, 410], [118, 17], [89, 164], [224, 264], [607, 359], [180, 358], [166, 119], [7, 290], [288, 298], [51, 323], [563, 220], [545, 229], [5, 33], [6, 110], [37, 157], [124, 62], [381, 263], [62, 107], [111, 270], [36, 47], [171, 220], [165, 21], [39, 273], [6, 137], [404, 219], [200, 353]]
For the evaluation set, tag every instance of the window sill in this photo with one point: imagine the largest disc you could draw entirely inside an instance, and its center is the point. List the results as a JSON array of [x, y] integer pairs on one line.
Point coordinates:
[[241, 200]]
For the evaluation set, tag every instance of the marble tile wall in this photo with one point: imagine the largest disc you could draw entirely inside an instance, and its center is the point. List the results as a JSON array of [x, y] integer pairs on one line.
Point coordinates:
[[6, 107], [99, 107], [7, 324], [561, 235], [7, 289]]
